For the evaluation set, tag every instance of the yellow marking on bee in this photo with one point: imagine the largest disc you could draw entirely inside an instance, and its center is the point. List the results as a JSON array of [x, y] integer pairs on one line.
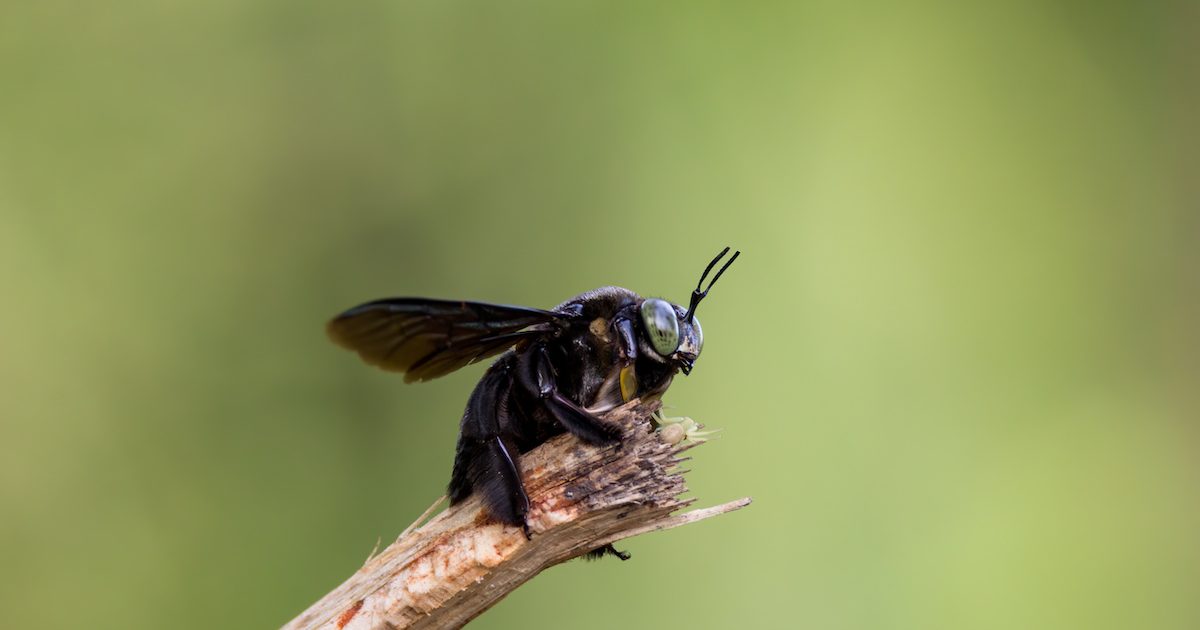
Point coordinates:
[[599, 328], [628, 383]]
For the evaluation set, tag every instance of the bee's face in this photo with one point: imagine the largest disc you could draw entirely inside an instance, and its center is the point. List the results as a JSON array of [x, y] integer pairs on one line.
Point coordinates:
[[668, 333], [691, 340]]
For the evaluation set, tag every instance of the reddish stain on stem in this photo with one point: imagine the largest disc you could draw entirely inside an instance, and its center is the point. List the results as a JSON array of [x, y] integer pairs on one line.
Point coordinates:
[[349, 614]]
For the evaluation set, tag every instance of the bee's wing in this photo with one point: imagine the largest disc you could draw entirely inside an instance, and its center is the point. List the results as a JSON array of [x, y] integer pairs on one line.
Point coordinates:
[[427, 338]]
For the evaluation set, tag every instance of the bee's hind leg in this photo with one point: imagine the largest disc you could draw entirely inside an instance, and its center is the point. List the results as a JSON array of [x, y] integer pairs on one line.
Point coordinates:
[[487, 460]]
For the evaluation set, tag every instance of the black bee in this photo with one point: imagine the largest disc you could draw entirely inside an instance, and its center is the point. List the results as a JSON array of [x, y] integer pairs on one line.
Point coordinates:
[[559, 369]]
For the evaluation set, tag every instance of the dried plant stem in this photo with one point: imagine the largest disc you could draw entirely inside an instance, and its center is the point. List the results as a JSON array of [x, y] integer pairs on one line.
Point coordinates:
[[446, 572]]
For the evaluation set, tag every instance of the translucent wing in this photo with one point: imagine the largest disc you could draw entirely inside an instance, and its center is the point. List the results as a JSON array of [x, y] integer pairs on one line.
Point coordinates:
[[427, 338]]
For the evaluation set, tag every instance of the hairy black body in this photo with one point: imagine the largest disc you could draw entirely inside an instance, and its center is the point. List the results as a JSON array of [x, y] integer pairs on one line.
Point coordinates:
[[559, 368], [547, 386]]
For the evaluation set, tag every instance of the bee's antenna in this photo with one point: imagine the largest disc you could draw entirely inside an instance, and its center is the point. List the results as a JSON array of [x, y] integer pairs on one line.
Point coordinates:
[[697, 294]]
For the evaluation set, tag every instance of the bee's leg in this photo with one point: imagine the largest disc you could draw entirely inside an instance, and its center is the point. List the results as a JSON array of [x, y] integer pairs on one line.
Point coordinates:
[[460, 480], [626, 340], [501, 487], [487, 459], [626, 357], [600, 552], [536, 374]]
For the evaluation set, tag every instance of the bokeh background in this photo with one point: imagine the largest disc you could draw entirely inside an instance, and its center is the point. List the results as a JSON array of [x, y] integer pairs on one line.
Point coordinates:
[[955, 366]]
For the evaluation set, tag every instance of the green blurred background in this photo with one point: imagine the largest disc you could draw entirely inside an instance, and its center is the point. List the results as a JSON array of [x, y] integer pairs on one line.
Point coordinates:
[[955, 365]]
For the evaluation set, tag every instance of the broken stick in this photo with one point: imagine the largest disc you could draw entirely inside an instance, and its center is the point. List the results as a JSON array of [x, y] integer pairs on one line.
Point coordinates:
[[446, 572]]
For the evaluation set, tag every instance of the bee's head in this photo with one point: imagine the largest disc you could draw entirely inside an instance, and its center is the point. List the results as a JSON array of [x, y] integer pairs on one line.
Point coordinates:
[[674, 334]]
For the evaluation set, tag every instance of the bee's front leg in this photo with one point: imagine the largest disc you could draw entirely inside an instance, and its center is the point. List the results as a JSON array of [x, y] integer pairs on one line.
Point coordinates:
[[626, 340], [536, 374], [627, 353]]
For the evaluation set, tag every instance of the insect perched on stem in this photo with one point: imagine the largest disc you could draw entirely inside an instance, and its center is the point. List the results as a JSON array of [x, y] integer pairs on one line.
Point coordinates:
[[559, 369]]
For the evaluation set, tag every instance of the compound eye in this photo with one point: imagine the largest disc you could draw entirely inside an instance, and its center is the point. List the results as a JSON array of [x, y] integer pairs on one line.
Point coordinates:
[[662, 325], [699, 334]]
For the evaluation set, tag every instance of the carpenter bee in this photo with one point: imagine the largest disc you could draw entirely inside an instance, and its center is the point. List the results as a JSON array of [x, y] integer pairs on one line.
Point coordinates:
[[559, 368]]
